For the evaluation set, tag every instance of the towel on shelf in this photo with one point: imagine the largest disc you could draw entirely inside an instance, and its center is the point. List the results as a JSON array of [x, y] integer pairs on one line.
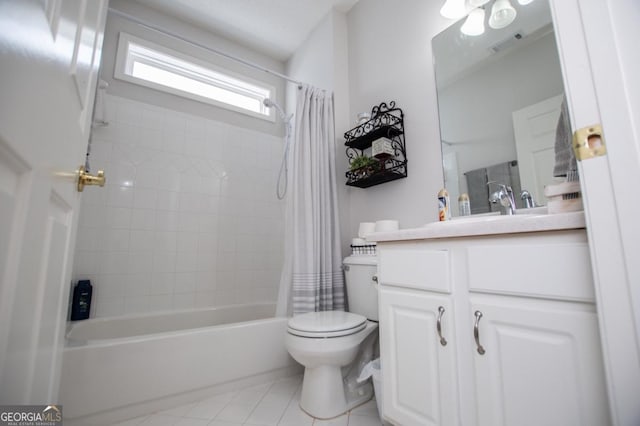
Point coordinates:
[[565, 159]]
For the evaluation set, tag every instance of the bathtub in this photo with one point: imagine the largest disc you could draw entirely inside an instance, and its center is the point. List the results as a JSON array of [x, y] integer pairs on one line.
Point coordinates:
[[115, 368]]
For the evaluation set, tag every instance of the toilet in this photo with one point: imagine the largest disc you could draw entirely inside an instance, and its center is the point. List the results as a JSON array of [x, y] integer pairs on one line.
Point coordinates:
[[334, 345]]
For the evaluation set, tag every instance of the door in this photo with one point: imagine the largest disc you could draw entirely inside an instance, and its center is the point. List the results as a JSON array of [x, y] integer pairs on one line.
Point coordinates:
[[418, 371], [534, 128], [541, 365], [597, 42], [49, 54]]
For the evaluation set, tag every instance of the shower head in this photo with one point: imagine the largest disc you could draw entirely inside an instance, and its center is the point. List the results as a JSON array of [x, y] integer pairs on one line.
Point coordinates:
[[271, 104]]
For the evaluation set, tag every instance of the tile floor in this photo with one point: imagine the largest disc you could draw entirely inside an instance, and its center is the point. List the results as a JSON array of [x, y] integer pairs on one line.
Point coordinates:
[[270, 404]]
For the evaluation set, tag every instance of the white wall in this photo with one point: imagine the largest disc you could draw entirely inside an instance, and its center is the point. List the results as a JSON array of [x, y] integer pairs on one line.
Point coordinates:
[[188, 217], [390, 59]]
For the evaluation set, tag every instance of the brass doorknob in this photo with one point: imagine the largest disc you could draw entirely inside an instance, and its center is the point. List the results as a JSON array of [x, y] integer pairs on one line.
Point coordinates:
[[85, 178]]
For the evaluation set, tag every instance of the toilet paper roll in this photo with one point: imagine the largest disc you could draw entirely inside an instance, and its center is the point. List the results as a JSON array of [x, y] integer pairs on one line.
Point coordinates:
[[358, 242], [387, 225], [366, 228]]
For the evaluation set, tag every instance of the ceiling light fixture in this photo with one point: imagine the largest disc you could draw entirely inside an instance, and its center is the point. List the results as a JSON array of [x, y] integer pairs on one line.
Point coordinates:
[[502, 14], [454, 9], [525, 2], [474, 25], [478, 3]]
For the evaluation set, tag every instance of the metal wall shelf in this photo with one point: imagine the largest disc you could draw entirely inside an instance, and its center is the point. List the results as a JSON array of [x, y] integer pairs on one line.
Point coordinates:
[[386, 121]]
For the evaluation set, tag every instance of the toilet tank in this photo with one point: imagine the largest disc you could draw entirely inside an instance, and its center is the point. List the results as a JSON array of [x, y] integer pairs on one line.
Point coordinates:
[[362, 290]]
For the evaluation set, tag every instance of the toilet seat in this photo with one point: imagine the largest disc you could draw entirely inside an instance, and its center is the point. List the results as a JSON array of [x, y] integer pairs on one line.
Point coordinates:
[[326, 324]]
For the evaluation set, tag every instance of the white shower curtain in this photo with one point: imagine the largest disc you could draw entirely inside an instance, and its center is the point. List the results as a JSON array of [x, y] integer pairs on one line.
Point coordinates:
[[312, 277]]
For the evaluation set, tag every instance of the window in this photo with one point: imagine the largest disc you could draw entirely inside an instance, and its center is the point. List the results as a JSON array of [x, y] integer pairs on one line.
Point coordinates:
[[145, 63]]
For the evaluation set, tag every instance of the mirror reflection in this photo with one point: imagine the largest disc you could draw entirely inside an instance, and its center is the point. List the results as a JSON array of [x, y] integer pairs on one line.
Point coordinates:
[[499, 99]]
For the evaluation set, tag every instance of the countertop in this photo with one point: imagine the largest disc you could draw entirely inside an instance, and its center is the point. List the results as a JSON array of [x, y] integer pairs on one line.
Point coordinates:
[[486, 225]]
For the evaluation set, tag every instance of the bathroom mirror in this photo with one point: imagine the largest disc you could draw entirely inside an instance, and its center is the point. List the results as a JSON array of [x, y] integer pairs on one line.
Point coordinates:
[[499, 98]]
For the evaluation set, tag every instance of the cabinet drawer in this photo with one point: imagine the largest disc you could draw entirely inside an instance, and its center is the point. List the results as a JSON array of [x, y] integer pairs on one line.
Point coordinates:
[[421, 269], [555, 271]]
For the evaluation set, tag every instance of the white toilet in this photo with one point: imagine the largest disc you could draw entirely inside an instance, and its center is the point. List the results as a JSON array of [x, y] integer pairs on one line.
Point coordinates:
[[328, 343]]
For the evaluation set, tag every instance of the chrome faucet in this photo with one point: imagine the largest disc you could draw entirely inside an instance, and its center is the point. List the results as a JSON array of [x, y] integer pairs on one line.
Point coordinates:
[[529, 202], [505, 196]]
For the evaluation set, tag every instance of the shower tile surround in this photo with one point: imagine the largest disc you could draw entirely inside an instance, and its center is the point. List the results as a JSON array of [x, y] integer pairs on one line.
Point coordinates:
[[188, 217]]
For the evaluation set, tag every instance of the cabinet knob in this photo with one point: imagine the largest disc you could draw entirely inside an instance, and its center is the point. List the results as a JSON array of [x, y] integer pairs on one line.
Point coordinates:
[[476, 333], [443, 341]]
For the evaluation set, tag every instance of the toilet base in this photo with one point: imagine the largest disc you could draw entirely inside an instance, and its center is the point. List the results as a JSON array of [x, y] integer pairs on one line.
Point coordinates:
[[325, 395]]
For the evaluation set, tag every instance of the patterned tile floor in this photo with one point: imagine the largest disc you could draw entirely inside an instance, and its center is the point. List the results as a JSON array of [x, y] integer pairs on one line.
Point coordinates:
[[270, 404]]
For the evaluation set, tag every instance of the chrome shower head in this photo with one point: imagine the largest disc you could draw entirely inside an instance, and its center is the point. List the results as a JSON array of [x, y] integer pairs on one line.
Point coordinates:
[[271, 104]]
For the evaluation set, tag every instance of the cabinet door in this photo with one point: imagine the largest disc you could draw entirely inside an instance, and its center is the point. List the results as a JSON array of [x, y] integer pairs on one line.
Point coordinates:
[[542, 364], [418, 372]]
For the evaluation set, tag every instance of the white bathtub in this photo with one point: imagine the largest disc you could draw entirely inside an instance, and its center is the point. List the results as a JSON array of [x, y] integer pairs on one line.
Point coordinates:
[[115, 368]]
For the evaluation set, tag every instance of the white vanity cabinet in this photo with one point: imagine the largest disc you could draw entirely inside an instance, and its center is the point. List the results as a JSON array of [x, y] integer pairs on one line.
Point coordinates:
[[419, 372], [524, 300]]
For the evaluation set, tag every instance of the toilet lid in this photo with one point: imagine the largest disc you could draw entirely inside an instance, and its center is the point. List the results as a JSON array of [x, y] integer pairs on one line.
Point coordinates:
[[326, 324]]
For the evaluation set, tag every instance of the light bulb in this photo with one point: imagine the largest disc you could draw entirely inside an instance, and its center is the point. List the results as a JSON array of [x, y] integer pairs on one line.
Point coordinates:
[[525, 2], [453, 9], [502, 14], [478, 3], [474, 25]]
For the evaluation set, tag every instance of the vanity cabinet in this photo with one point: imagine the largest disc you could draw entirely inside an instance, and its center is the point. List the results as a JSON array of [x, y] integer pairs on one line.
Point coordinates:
[[524, 300], [419, 374]]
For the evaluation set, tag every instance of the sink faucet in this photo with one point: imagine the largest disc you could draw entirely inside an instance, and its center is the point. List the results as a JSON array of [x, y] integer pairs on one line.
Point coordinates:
[[529, 202], [505, 196]]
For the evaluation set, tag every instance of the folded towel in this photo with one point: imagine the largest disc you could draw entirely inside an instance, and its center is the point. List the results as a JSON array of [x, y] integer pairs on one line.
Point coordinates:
[[565, 158]]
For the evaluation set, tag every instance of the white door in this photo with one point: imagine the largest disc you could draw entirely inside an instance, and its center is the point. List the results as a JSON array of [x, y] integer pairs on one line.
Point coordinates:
[[534, 128], [418, 372], [541, 365], [49, 54], [597, 42]]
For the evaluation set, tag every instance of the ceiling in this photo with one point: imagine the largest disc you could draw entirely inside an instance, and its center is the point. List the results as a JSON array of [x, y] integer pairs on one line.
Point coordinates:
[[274, 27]]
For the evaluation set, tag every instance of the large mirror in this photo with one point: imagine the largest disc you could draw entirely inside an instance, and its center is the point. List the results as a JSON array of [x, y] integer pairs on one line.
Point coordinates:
[[499, 99]]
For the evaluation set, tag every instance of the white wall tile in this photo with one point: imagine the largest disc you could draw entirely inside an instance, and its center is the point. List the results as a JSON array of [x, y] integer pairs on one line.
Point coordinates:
[[187, 242], [186, 261], [183, 301], [140, 262], [183, 222], [136, 284], [120, 196], [118, 217], [162, 283], [145, 198], [146, 177], [116, 240], [143, 219], [168, 200], [164, 261], [136, 304], [185, 282], [141, 240], [113, 262]]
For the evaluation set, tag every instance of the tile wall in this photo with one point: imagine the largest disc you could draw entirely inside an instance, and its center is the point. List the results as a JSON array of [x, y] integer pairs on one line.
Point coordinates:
[[188, 217]]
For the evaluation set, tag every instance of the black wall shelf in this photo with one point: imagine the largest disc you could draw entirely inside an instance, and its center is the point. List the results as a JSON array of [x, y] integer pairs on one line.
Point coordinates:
[[386, 121]]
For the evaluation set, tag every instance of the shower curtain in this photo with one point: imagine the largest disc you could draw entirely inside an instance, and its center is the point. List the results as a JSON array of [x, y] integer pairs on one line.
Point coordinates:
[[312, 277]]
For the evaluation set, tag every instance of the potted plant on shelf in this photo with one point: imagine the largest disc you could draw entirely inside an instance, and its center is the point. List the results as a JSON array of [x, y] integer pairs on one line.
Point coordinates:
[[363, 166]]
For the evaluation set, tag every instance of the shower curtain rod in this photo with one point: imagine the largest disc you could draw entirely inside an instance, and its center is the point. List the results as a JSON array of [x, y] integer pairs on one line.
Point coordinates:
[[202, 46]]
